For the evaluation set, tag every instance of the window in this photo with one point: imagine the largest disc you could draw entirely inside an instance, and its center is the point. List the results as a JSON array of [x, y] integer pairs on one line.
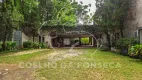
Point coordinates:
[[116, 36], [43, 39], [136, 34], [39, 38]]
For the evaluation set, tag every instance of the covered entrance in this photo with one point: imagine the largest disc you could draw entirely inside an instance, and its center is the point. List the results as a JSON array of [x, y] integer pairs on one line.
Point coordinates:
[[73, 39]]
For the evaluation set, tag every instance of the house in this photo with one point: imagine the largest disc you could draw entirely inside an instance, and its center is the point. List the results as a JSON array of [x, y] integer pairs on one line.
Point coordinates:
[[55, 37], [58, 36], [19, 37], [133, 22]]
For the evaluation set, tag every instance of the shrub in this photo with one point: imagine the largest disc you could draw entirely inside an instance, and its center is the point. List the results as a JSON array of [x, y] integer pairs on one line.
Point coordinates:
[[10, 45], [125, 43], [27, 44], [135, 51], [35, 45], [42, 45]]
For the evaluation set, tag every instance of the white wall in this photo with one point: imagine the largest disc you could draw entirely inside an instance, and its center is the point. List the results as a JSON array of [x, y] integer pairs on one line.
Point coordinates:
[[28, 38]]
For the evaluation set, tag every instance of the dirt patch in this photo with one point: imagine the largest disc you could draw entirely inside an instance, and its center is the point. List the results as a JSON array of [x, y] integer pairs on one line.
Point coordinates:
[[14, 72], [59, 55]]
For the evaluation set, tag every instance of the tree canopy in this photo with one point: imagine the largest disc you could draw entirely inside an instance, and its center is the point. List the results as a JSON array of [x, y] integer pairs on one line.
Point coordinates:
[[30, 15], [10, 18], [110, 15]]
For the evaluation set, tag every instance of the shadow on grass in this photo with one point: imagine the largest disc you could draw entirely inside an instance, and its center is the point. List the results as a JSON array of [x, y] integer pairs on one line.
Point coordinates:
[[136, 61]]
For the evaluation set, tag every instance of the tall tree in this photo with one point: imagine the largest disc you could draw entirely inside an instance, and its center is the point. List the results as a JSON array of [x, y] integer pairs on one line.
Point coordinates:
[[110, 15], [10, 18], [57, 12], [31, 18], [62, 12]]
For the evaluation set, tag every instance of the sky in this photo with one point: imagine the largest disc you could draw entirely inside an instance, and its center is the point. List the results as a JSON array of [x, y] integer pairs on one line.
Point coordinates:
[[92, 8], [92, 2]]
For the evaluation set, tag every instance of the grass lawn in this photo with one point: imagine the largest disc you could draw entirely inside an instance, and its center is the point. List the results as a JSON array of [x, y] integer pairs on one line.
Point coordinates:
[[87, 66], [124, 68], [7, 59]]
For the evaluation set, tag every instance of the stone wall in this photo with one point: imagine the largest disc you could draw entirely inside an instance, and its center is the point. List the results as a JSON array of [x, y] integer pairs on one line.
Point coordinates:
[[134, 19]]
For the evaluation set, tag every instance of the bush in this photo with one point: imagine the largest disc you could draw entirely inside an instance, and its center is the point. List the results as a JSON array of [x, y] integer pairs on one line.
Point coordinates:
[[42, 45], [125, 43], [10, 46], [27, 44], [34, 45], [135, 51]]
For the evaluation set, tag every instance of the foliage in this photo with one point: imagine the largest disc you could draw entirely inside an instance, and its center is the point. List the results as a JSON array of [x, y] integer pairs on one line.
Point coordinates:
[[27, 44], [10, 46], [58, 12], [82, 13], [42, 45], [0, 46], [85, 40], [124, 43], [110, 16], [39, 45], [10, 18], [135, 51], [62, 12], [35, 45], [31, 15], [28, 16]]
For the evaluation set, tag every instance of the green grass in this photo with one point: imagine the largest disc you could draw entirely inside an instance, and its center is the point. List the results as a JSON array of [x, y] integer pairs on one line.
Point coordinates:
[[124, 68], [14, 51], [21, 58]]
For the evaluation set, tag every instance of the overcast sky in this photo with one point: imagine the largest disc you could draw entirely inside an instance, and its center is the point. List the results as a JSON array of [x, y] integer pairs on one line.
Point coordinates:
[[92, 2], [92, 8]]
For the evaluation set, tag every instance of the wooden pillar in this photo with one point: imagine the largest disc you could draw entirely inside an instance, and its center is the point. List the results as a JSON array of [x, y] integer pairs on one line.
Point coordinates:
[[90, 40], [93, 42], [80, 41]]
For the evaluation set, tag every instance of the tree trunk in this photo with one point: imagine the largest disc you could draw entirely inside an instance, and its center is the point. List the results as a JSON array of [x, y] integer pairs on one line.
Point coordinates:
[[108, 39], [121, 28], [33, 38], [121, 32], [4, 41]]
